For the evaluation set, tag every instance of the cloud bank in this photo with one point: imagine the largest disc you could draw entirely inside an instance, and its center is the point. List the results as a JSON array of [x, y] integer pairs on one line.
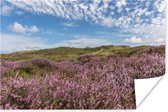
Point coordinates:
[[12, 43], [83, 42], [122, 13]]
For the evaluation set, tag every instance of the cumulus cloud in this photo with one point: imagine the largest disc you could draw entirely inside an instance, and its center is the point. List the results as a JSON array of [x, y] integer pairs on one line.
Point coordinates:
[[101, 12], [133, 40], [17, 27]]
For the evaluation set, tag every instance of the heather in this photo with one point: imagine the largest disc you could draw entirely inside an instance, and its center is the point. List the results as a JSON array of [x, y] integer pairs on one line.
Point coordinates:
[[90, 81]]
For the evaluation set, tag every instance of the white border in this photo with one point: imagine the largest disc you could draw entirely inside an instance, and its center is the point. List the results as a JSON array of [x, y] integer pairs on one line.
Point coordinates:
[[157, 101]]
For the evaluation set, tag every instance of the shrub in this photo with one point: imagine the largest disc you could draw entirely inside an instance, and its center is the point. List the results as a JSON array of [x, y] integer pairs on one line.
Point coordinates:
[[73, 85]]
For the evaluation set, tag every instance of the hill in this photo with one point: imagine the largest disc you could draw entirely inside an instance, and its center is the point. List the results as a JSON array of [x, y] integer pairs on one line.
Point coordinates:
[[69, 53]]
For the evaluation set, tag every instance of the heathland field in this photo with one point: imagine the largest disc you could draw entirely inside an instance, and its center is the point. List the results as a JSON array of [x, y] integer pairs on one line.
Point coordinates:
[[76, 78]]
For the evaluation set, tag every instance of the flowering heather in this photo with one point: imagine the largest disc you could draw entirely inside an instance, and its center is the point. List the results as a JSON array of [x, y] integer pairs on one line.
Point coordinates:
[[90, 82]]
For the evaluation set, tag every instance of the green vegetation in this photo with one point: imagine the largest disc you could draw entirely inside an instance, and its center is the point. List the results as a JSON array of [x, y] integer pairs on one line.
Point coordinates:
[[68, 53]]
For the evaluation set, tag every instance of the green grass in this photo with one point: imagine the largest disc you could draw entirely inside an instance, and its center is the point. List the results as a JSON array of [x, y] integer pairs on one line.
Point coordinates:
[[68, 53]]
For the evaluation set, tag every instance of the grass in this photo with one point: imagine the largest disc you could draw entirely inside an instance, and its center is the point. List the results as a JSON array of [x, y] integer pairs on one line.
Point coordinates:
[[68, 53]]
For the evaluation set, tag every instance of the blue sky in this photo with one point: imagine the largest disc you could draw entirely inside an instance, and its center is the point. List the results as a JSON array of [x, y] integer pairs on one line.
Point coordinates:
[[40, 24]]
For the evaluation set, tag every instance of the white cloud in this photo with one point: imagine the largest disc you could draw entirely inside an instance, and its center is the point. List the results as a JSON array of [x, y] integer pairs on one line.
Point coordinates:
[[160, 5], [17, 27], [155, 41], [107, 22], [70, 24], [145, 41], [33, 29], [133, 40], [12, 43], [120, 3], [19, 12], [83, 42], [150, 35], [100, 12], [151, 31], [160, 40], [6, 10]]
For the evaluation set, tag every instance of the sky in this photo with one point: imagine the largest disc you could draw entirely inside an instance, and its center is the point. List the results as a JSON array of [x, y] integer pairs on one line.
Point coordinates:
[[41, 24]]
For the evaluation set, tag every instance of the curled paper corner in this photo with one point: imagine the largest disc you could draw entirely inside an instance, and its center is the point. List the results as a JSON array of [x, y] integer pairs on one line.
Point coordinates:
[[143, 88]]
